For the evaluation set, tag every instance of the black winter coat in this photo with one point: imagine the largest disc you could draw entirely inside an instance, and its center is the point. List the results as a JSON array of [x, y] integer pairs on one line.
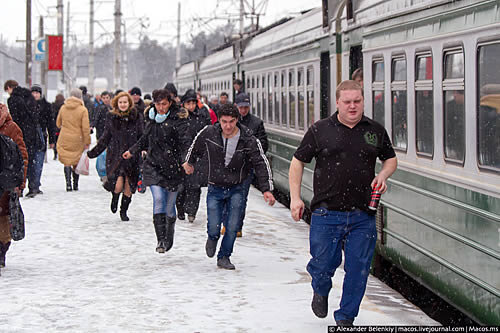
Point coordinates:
[[119, 135], [99, 119], [248, 154], [167, 144], [22, 107], [197, 120], [46, 119], [256, 125]]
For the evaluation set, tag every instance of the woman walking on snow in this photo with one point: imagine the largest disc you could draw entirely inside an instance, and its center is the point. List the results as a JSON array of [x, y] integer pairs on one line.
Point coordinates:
[[123, 128], [74, 137], [166, 141]]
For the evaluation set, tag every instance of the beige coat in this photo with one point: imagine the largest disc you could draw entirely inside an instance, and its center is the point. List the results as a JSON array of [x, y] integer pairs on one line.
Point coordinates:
[[73, 120]]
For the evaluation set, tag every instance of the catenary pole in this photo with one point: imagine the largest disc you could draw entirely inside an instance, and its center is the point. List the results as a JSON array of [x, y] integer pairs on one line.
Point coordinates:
[[117, 62]]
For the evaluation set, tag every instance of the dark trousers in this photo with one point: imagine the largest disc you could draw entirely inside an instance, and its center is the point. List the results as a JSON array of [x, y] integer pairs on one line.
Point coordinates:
[[188, 200], [329, 230]]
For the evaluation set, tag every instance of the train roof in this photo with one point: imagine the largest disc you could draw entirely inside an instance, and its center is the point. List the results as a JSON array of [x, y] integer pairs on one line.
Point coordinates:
[[300, 30], [217, 60], [186, 69]]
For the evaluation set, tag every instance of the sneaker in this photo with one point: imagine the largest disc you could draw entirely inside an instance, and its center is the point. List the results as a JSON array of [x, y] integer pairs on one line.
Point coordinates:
[[319, 305], [210, 247], [191, 218], [225, 263], [345, 322]]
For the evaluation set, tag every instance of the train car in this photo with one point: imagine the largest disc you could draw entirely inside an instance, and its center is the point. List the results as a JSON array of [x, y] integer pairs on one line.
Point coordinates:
[[186, 77], [216, 73], [431, 78]]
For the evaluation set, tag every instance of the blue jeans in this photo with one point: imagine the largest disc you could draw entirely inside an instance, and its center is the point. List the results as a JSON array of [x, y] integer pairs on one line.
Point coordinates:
[[163, 201], [224, 206], [357, 231], [35, 167]]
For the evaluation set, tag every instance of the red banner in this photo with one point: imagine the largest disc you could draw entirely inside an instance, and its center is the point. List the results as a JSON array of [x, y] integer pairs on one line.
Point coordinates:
[[55, 53]]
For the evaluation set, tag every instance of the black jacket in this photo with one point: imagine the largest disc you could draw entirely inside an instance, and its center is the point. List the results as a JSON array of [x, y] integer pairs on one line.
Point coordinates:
[[256, 125], [166, 143], [120, 133], [249, 154], [22, 108], [99, 119], [46, 119]]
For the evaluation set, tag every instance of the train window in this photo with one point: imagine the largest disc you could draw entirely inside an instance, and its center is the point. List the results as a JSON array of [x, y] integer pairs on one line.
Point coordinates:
[[454, 106], [253, 82], [398, 103], [263, 97], [259, 109], [301, 99], [257, 82], [276, 100], [269, 99], [292, 97], [310, 96], [488, 113], [424, 105], [283, 100], [378, 106]]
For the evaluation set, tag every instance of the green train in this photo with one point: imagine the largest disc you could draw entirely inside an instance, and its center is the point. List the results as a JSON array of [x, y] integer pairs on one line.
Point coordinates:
[[432, 77]]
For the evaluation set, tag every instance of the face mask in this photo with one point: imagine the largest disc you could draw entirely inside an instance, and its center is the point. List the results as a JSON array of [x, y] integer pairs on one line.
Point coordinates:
[[159, 118]]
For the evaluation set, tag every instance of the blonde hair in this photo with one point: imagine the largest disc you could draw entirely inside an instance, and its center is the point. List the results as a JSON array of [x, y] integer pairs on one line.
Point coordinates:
[[348, 85], [114, 102]]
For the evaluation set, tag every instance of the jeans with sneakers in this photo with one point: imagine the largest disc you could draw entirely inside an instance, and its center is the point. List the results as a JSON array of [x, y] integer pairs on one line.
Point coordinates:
[[163, 201], [35, 167], [329, 230], [224, 205]]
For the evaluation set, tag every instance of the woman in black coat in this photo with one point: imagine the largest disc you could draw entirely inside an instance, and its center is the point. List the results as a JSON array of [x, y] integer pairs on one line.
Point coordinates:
[[188, 199], [122, 130], [166, 141]]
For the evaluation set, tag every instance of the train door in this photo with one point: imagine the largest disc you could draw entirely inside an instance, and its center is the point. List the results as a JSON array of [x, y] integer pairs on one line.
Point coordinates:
[[355, 59], [325, 99]]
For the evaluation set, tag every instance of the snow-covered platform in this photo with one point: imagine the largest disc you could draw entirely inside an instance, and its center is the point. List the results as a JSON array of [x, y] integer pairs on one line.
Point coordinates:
[[81, 269]]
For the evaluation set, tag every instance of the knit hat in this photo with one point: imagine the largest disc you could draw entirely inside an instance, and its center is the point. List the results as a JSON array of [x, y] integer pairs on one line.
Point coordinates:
[[135, 91], [36, 88]]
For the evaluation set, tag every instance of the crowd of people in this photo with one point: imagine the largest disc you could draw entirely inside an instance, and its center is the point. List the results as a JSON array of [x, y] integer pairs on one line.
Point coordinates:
[[175, 145]]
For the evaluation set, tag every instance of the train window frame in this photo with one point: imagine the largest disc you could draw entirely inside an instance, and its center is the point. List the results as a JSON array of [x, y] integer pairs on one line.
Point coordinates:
[[301, 89], [424, 85], [453, 84], [478, 106], [292, 94], [378, 86], [309, 85], [399, 86]]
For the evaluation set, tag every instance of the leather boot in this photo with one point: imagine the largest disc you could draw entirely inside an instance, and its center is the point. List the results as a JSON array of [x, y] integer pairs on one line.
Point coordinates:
[[159, 221], [3, 250], [114, 202], [75, 180], [169, 232], [67, 175], [124, 207]]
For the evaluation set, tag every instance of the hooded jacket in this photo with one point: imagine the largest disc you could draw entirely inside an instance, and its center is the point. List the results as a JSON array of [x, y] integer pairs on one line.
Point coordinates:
[[248, 154]]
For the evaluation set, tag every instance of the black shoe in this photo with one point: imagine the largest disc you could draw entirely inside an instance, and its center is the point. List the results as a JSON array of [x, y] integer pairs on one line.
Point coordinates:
[[114, 202], [225, 263], [169, 232], [210, 247], [37, 192], [159, 221], [31, 194], [345, 322], [181, 216], [124, 207], [319, 305], [3, 251]]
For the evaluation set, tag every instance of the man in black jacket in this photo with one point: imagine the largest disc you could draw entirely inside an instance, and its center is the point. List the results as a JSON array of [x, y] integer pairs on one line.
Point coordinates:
[[100, 112], [22, 107], [232, 151]]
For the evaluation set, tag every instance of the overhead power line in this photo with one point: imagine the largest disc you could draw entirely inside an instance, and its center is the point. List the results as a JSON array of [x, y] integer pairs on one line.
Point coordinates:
[[11, 57]]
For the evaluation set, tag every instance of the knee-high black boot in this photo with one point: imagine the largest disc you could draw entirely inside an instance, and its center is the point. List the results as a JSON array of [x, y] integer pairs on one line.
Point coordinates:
[[75, 180], [159, 221], [67, 175], [114, 202], [124, 207], [3, 250], [169, 232]]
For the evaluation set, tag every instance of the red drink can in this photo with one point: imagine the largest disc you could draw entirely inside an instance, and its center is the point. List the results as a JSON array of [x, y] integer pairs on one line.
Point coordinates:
[[375, 198]]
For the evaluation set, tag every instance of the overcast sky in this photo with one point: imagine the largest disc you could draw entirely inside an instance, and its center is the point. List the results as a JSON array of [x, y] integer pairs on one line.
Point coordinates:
[[154, 18]]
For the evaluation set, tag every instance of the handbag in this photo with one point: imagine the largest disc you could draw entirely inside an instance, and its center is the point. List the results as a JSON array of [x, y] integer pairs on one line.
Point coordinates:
[[83, 165], [16, 217]]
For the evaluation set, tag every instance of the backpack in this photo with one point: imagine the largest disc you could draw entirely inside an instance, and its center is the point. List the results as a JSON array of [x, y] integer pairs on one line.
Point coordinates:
[[11, 164]]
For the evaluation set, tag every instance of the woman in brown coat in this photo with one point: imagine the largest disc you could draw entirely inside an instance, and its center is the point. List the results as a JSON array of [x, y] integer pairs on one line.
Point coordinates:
[[9, 128], [74, 137]]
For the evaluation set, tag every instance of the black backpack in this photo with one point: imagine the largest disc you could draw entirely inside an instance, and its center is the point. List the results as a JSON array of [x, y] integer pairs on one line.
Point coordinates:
[[11, 164]]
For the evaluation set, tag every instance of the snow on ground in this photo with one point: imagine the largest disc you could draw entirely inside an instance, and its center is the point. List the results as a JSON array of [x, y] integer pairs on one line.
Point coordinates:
[[81, 269]]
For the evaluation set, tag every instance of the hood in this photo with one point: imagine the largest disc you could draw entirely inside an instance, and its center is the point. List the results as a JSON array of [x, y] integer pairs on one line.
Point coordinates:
[[73, 103], [4, 118], [493, 101]]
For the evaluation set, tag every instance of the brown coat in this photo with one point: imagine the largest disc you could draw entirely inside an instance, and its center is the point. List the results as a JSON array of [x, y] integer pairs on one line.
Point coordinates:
[[73, 120], [9, 128]]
